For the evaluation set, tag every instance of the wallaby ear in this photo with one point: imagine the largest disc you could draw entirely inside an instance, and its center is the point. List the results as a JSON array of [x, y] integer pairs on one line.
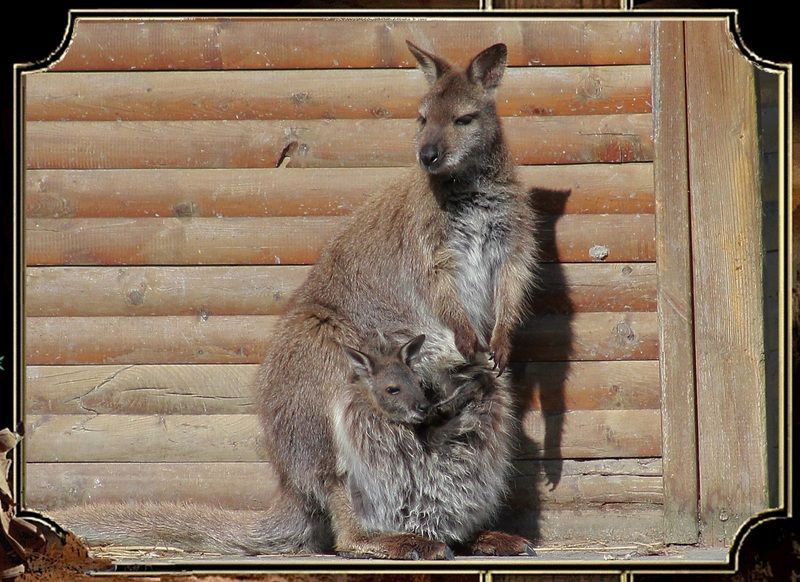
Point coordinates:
[[487, 68], [410, 351], [361, 362], [431, 65]]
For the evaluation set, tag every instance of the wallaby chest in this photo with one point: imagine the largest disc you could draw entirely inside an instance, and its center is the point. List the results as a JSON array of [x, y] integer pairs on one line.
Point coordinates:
[[478, 227]]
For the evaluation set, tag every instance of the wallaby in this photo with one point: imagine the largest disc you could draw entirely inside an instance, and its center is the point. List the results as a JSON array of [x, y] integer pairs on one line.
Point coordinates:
[[383, 375], [448, 252]]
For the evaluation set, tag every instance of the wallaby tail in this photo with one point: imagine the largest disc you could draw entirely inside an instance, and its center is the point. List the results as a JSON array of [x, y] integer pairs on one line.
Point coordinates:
[[283, 528]]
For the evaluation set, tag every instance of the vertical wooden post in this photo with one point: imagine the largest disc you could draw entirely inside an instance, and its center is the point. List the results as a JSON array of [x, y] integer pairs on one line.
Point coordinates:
[[674, 265], [727, 252]]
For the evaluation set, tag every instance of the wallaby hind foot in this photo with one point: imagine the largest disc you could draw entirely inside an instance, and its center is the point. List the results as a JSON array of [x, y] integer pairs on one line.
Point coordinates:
[[497, 543], [401, 546]]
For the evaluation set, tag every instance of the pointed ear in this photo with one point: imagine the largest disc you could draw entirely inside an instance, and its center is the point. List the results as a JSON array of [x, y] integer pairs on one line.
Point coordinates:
[[410, 351], [361, 362], [488, 67], [431, 65]]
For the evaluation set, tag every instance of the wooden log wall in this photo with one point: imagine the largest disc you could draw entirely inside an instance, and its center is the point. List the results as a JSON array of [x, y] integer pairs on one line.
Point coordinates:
[[182, 176]]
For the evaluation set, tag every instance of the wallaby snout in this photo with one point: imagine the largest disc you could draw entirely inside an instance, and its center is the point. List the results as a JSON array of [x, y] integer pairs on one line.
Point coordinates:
[[429, 156]]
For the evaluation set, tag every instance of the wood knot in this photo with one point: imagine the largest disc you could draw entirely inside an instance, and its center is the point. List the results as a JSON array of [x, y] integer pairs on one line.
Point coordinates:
[[625, 332], [185, 209], [598, 252], [135, 296]]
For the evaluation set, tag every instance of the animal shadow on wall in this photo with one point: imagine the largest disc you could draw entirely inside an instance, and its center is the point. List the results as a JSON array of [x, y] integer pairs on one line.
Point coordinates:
[[538, 466]]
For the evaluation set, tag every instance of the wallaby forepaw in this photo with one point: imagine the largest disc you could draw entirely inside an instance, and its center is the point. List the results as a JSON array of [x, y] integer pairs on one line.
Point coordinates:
[[499, 353], [497, 543]]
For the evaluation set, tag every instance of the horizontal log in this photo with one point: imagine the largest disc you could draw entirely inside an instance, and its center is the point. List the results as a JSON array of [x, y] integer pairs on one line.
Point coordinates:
[[147, 340], [573, 139], [180, 438], [291, 240], [591, 434], [243, 339], [264, 43], [583, 188], [229, 388], [251, 485], [619, 523], [319, 94], [588, 336], [558, 386], [265, 290]]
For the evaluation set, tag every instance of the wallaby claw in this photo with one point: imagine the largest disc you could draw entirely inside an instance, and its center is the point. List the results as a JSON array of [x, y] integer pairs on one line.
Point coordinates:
[[529, 551]]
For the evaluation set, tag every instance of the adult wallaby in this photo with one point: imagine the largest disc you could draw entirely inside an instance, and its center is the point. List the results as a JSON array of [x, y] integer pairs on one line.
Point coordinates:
[[449, 252]]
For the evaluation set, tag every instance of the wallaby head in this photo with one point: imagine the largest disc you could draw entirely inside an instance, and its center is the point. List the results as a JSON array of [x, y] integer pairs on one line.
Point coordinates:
[[389, 381], [458, 122]]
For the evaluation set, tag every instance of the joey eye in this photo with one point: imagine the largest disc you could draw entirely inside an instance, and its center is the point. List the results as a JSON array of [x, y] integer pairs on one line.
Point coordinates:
[[465, 120], [421, 120], [393, 390]]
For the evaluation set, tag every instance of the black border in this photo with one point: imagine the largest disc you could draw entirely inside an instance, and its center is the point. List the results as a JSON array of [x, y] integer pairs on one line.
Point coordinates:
[[405, 567]]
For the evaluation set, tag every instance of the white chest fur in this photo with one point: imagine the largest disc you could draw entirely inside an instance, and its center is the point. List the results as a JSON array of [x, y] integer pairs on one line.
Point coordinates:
[[478, 242]]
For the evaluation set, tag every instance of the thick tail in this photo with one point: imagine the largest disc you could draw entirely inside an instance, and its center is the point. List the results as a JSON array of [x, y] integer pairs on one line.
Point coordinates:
[[285, 527]]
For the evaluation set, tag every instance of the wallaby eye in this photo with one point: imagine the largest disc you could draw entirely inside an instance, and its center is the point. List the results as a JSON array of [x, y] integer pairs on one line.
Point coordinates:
[[421, 120], [393, 390], [465, 119]]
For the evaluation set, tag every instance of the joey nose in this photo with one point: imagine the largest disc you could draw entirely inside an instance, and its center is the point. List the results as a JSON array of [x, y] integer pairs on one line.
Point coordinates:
[[423, 407], [428, 155]]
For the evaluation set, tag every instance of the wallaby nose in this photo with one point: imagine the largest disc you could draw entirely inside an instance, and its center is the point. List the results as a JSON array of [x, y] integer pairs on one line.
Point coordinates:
[[428, 155], [423, 407]]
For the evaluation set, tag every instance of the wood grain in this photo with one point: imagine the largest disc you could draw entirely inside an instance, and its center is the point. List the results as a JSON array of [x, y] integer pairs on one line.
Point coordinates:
[[589, 336], [571, 189], [573, 139], [288, 240], [674, 264], [243, 339], [319, 94], [265, 43], [251, 485], [593, 434], [69, 438], [615, 385], [265, 290], [728, 281], [228, 388], [623, 523]]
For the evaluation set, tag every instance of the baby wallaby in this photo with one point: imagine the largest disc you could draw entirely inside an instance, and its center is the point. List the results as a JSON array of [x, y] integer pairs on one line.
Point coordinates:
[[383, 373]]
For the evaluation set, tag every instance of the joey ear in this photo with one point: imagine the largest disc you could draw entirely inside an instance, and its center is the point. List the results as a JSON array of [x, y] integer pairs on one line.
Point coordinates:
[[487, 67], [410, 351], [361, 362], [432, 66]]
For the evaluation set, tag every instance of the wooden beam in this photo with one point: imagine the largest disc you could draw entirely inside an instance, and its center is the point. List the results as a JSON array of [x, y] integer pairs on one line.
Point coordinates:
[[728, 299], [264, 43], [674, 264], [334, 143], [291, 240], [229, 388], [571, 189], [71, 438], [252, 485], [319, 94], [265, 290], [242, 339]]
